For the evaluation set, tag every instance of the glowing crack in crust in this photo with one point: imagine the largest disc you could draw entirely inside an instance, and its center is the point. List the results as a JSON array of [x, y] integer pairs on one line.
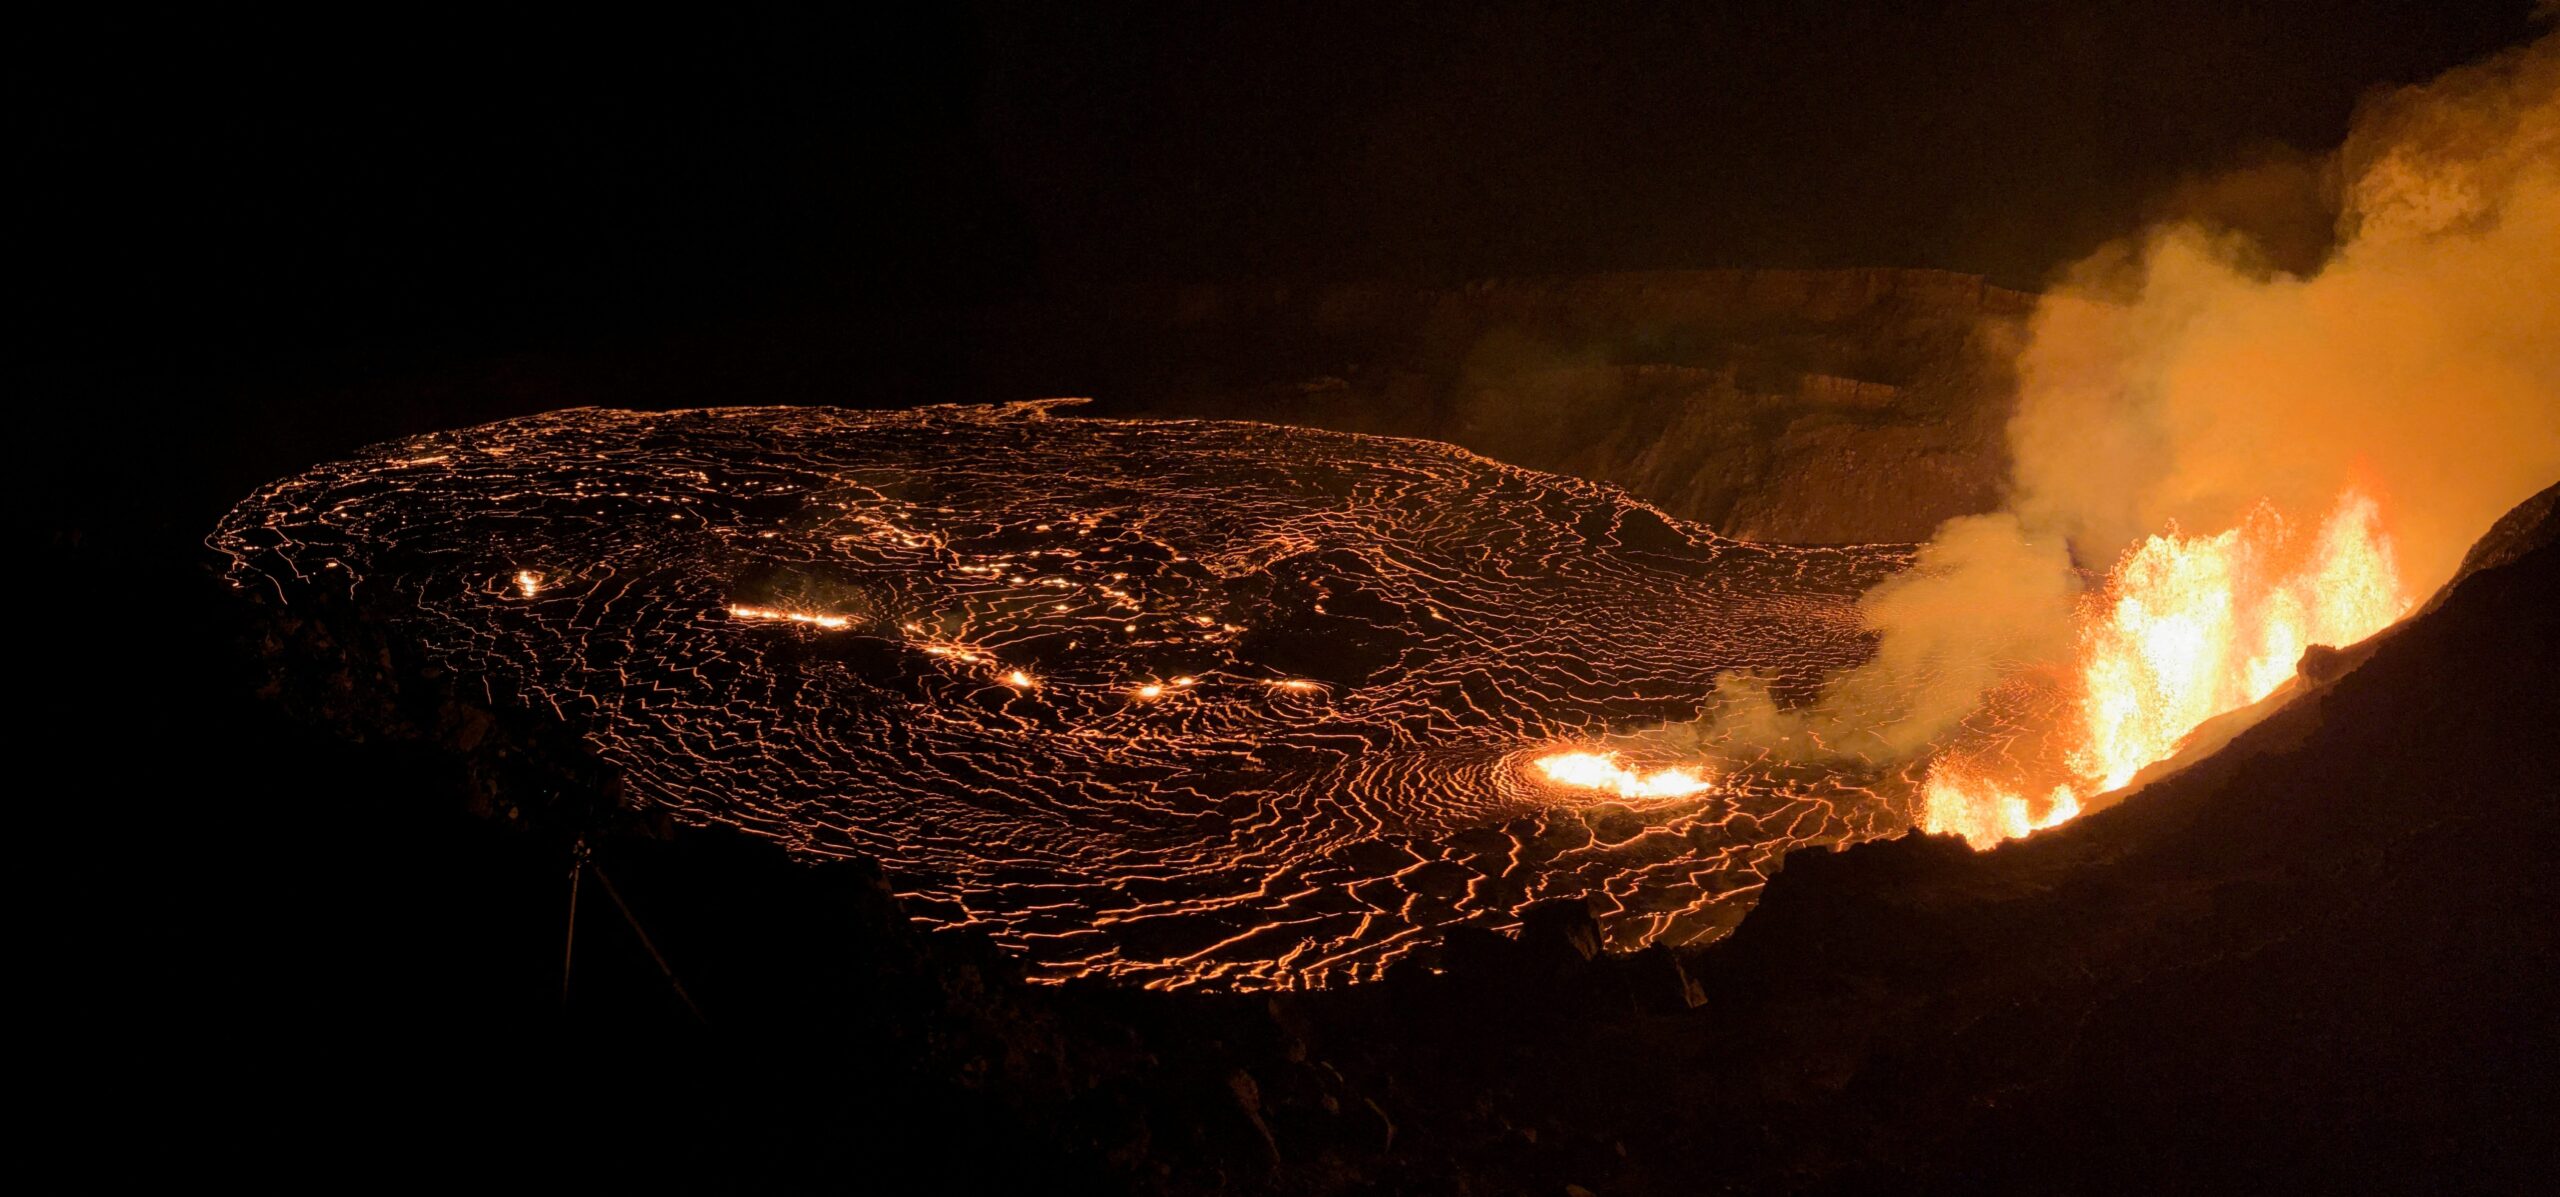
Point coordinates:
[[1179, 702]]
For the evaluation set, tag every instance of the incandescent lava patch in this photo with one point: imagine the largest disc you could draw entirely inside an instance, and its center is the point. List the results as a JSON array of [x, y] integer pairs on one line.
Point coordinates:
[[1180, 702]]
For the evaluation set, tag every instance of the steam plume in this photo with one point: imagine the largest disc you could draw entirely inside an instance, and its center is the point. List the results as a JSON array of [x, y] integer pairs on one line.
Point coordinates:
[[2183, 377]]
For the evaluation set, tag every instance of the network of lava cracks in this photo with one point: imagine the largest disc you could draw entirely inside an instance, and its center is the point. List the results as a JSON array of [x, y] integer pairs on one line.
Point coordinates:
[[1184, 703]]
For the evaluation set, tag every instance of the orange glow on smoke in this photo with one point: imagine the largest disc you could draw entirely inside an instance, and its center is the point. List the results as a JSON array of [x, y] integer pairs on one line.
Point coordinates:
[[2188, 628], [1601, 771]]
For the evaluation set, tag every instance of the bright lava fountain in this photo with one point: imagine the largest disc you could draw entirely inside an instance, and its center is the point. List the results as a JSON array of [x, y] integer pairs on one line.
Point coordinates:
[[2186, 628]]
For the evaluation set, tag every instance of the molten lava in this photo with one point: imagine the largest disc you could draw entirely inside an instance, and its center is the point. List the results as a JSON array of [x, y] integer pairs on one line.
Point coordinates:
[[1985, 812], [1181, 703], [1601, 771], [833, 623], [2186, 628]]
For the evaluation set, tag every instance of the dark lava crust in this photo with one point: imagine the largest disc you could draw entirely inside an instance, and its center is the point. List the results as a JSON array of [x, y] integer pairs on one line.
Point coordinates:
[[1183, 703]]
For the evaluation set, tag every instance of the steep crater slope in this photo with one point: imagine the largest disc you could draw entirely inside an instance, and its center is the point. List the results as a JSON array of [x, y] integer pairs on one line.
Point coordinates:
[[1782, 405]]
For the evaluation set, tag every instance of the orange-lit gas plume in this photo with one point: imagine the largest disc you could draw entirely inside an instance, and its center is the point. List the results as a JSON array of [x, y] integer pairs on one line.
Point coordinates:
[[2253, 461], [2270, 461]]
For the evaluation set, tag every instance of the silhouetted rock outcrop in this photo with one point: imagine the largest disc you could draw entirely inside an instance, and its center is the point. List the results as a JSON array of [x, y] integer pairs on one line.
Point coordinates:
[[2533, 524]]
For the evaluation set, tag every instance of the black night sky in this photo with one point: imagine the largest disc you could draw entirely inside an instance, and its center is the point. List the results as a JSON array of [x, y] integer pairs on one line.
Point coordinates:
[[271, 188], [230, 220]]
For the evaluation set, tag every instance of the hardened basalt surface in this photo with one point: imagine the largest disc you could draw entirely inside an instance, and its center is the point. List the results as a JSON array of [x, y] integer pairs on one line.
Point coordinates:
[[1179, 702]]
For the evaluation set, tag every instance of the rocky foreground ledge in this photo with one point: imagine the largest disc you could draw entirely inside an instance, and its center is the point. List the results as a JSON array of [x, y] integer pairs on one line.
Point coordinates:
[[2319, 959]]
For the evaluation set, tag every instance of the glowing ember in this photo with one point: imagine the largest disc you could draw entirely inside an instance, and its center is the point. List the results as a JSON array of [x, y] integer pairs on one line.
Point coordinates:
[[2188, 628], [1601, 771], [528, 582]]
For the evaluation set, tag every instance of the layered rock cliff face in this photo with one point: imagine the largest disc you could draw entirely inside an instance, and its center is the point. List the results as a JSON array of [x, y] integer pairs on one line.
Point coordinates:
[[1784, 405]]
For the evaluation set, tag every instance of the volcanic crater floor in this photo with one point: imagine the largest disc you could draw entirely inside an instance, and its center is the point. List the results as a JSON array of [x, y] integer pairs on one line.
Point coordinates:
[[1183, 703]]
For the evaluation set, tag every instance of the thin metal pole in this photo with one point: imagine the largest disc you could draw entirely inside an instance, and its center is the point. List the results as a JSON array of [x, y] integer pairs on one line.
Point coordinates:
[[569, 950], [634, 920]]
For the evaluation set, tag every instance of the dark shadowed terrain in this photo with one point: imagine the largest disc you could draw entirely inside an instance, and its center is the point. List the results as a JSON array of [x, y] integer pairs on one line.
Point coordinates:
[[1795, 406], [2317, 960]]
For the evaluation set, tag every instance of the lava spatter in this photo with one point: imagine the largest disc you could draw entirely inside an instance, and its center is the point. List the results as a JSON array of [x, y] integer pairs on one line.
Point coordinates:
[[1179, 702]]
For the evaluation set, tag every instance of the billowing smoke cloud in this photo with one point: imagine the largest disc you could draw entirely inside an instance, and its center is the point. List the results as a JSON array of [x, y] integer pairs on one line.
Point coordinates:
[[1977, 604], [1981, 600], [2182, 377], [2181, 380]]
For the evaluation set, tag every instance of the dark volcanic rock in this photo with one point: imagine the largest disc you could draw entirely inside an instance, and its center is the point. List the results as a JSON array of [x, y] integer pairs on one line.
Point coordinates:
[[2533, 524], [1562, 928], [2318, 960], [1784, 405]]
